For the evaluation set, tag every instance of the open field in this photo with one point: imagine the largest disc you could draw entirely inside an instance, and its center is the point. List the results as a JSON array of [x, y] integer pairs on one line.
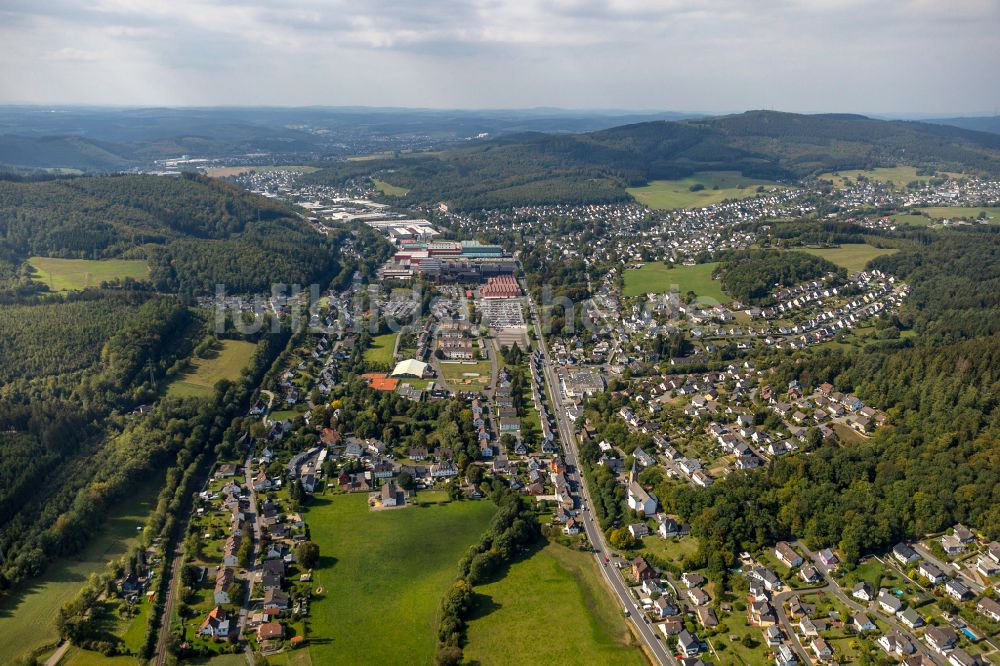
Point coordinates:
[[555, 604], [226, 172], [381, 350], [75, 274], [225, 362], [658, 279], [897, 176], [669, 194], [912, 219], [27, 615], [962, 212], [391, 190], [456, 372], [853, 257], [383, 575]]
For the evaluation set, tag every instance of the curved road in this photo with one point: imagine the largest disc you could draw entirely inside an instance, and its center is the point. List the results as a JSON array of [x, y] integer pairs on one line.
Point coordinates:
[[654, 646]]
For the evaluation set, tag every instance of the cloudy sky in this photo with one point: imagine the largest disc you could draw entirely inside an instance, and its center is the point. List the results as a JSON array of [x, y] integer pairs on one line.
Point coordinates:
[[874, 56]]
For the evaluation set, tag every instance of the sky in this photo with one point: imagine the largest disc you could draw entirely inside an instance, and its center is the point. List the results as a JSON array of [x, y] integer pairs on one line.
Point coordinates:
[[867, 56]]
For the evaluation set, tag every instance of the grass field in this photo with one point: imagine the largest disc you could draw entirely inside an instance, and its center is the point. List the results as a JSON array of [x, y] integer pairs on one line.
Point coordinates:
[[226, 362], [27, 615], [556, 606], [897, 176], [391, 190], [225, 172], [670, 194], [912, 219], [383, 575], [658, 279], [75, 274], [381, 350], [456, 372], [853, 257], [962, 212]]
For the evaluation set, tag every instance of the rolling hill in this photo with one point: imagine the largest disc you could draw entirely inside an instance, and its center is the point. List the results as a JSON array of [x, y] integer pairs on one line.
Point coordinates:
[[597, 166]]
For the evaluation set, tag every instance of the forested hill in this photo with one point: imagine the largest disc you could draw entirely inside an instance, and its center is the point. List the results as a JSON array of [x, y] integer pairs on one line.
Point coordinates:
[[595, 167], [194, 231]]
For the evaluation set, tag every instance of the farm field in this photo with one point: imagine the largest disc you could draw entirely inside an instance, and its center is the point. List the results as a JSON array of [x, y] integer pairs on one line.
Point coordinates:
[[897, 176], [670, 194], [962, 212], [229, 358], [912, 219], [658, 279], [853, 257], [27, 615], [391, 190], [381, 350], [385, 565], [555, 587], [76, 274]]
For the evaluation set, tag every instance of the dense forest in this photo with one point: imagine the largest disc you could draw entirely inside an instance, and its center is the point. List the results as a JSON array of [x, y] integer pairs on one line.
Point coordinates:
[[195, 232], [596, 167], [750, 276]]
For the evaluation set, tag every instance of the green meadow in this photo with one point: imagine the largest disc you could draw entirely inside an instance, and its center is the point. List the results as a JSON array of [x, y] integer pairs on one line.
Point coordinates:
[[391, 190], [224, 362], [76, 274], [717, 186], [853, 257], [962, 213], [27, 614], [657, 278], [381, 350], [383, 574], [551, 608]]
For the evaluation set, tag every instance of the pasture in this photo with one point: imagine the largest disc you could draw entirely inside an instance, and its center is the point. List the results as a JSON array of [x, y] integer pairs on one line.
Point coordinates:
[[554, 588], [853, 257], [896, 176], [76, 274], [224, 362], [962, 213], [656, 278], [391, 190], [383, 575], [717, 186], [380, 352], [27, 614]]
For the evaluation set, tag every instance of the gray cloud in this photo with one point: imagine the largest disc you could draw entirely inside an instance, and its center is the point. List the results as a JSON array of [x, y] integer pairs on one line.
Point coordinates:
[[711, 55]]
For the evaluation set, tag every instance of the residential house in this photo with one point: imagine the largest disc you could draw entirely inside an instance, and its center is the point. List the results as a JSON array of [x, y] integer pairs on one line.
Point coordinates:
[[809, 574], [692, 579], [890, 603], [957, 590], [911, 618], [223, 579], [276, 599], [904, 554], [642, 570], [959, 657], [216, 625], [827, 557], [638, 530], [668, 528], [990, 608], [895, 643], [665, 607], [931, 573], [821, 649], [698, 596], [862, 623], [863, 591], [706, 616], [688, 644], [270, 631], [786, 554], [941, 639]]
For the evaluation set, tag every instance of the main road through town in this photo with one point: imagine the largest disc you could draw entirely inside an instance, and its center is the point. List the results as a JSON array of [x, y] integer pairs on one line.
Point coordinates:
[[655, 647]]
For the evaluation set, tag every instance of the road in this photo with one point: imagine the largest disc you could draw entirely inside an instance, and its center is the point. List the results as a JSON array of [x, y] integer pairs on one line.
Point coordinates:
[[834, 588], [655, 647], [255, 535], [925, 553]]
